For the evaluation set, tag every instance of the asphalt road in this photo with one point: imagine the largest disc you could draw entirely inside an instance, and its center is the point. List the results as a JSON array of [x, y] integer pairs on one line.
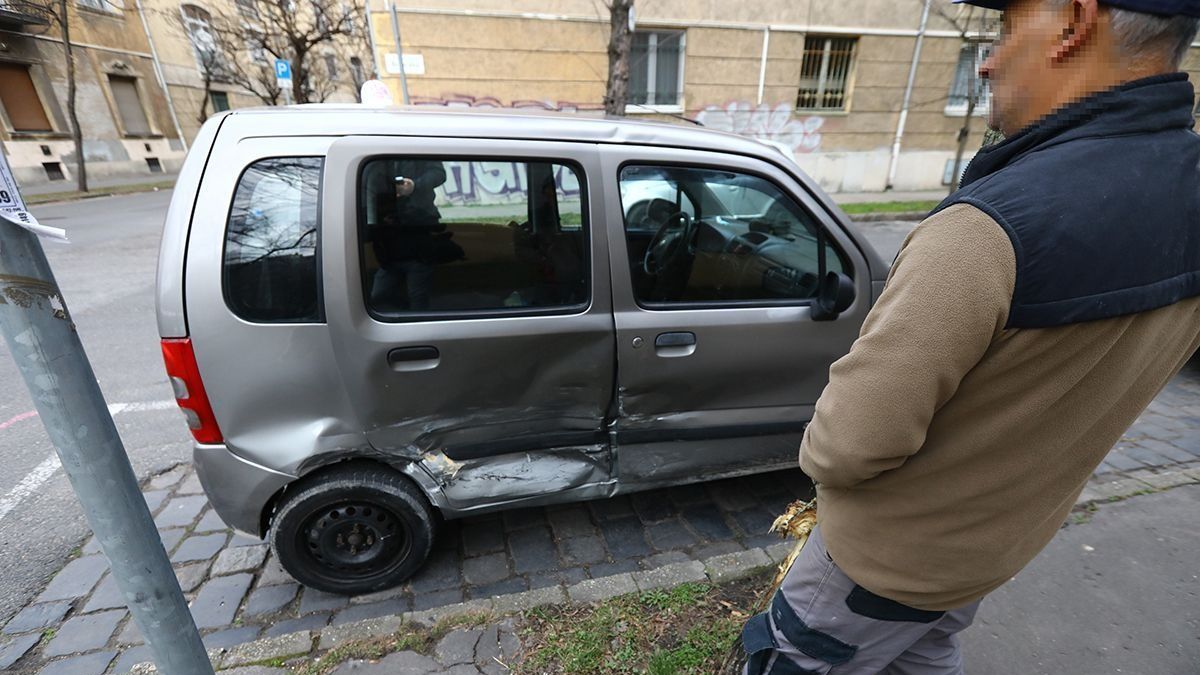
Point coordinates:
[[107, 278], [106, 274]]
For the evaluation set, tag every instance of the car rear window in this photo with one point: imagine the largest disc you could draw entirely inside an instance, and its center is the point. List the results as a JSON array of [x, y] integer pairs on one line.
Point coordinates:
[[271, 268]]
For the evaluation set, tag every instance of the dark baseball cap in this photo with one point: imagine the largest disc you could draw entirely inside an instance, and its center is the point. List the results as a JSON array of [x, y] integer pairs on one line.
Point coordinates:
[[1159, 7]]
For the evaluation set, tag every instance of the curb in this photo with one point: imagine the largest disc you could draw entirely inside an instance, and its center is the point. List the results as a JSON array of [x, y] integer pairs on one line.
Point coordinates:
[[716, 569]]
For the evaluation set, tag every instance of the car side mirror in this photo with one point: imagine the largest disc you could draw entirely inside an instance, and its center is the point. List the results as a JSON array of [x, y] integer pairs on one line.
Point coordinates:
[[834, 296]]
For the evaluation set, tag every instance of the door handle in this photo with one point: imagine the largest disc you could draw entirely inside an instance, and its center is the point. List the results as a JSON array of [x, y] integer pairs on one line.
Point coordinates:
[[408, 359], [675, 340], [674, 345]]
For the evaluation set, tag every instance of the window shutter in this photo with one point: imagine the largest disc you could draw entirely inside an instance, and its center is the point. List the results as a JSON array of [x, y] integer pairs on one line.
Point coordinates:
[[20, 100], [129, 105]]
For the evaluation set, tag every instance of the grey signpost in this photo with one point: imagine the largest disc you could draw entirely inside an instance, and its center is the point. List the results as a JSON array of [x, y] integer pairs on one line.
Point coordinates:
[[42, 339]]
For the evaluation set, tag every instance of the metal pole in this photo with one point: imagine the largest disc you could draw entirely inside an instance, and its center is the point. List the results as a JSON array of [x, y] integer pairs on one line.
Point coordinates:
[[399, 54], [912, 78], [371, 35], [162, 80], [47, 350]]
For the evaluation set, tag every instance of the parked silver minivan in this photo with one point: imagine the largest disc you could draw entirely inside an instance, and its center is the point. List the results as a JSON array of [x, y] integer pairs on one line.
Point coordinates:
[[377, 318]]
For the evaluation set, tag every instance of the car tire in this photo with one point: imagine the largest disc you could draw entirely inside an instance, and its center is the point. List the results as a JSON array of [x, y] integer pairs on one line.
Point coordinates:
[[353, 529]]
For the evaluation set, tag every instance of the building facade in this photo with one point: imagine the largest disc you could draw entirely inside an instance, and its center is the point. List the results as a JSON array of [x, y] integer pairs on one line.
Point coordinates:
[[149, 72], [122, 110], [826, 78]]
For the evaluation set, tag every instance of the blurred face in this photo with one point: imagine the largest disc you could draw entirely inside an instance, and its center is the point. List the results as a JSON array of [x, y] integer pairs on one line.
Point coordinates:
[[1022, 68]]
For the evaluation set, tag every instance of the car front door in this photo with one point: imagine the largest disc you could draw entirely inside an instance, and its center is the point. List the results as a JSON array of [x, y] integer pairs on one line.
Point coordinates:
[[715, 267], [469, 306]]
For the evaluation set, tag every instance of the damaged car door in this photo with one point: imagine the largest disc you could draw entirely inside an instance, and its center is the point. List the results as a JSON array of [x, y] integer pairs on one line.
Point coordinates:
[[717, 260], [476, 335]]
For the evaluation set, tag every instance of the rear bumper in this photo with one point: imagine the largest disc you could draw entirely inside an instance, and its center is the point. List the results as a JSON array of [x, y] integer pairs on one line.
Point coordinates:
[[237, 489]]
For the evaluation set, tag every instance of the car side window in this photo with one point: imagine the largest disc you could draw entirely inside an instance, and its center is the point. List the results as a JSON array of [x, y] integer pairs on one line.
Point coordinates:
[[705, 236], [468, 236], [271, 268]]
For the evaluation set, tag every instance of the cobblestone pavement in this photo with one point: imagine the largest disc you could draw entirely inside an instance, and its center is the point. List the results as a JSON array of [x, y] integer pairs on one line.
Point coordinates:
[[238, 593]]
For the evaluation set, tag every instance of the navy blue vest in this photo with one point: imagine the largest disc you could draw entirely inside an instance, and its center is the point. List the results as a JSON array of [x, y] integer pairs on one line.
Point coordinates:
[[1101, 200]]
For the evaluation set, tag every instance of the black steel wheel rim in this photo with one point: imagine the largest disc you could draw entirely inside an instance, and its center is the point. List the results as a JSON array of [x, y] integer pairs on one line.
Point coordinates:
[[354, 540]]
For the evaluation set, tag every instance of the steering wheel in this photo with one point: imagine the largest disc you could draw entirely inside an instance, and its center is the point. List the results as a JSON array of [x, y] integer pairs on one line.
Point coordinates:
[[667, 246]]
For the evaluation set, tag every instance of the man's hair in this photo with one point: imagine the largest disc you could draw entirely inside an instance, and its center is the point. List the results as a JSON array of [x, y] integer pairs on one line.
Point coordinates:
[[1150, 36]]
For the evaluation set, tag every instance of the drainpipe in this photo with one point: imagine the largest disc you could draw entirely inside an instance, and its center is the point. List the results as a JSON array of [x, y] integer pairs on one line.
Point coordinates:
[[762, 68], [162, 80], [371, 36], [912, 78], [399, 53]]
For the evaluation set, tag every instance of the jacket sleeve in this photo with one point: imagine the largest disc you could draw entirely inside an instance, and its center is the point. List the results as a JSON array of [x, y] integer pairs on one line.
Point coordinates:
[[947, 297]]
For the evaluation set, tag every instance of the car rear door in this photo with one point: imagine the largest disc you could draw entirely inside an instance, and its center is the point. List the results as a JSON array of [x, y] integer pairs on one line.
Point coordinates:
[[471, 317], [719, 359]]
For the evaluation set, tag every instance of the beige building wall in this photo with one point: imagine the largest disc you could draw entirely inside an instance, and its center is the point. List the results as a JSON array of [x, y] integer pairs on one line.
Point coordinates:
[[552, 53], [107, 43]]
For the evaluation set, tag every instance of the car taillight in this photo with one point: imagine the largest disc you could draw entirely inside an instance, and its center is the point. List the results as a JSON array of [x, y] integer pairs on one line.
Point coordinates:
[[189, 389]]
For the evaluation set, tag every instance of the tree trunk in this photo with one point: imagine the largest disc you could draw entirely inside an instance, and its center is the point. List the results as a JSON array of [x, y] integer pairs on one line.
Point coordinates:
[[76, 132], [616, 92], [963, 134]]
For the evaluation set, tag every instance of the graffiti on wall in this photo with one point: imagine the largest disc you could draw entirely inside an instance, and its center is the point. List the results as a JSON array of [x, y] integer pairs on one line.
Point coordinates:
[[773, 123], [468, 101]]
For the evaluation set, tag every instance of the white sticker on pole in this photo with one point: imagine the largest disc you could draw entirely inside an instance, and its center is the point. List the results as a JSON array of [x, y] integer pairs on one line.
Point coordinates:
[[12, 207]]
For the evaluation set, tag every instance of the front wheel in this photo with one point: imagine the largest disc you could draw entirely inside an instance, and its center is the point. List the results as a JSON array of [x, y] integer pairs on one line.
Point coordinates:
[[353, 529]]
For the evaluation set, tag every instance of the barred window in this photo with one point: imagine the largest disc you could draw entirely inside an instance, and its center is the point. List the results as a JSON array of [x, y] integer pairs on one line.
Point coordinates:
[[825, 72], [967, 79]]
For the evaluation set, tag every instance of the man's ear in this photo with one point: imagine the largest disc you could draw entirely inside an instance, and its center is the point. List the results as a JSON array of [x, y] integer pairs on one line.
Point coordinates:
[[1083, 18]]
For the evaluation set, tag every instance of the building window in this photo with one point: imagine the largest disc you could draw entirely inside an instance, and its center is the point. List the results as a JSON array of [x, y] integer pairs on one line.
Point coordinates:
[[20, 99], [109, 6], [331, 66], [656, 69], [255, 41], [321, 15], [967, 81], [220, 101], [356, 70], [129, 105], [247, 8], [825, 73], [198, 24]]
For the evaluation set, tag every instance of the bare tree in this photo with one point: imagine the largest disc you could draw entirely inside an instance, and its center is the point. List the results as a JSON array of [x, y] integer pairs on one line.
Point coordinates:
[[961, 21], [616, 92], [246, 41], [57, 15]]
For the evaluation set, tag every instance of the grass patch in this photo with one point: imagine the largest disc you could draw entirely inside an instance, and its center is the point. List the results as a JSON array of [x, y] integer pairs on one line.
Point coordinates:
[[97, 192], [889, 207], [686, 629], [410, 637]]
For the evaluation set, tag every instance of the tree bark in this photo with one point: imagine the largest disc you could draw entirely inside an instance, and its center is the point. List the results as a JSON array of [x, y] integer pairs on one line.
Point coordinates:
[[76, 132], [616, 93]]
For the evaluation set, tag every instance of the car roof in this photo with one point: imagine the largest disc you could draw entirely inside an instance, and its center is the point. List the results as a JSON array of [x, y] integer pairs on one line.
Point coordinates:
[[323, 119]]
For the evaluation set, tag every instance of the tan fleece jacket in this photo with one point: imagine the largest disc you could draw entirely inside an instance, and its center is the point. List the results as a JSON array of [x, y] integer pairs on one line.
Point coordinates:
[[947, 450]]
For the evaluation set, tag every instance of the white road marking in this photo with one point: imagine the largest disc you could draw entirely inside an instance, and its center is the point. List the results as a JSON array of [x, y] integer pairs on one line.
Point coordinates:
[[44, 471], [28, 485]]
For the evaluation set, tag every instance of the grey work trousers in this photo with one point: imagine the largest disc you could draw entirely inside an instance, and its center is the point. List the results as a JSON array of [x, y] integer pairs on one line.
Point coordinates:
[[821, 622]]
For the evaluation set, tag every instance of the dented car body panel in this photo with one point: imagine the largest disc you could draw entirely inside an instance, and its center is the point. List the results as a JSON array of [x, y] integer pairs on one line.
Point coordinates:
[[554, 392]]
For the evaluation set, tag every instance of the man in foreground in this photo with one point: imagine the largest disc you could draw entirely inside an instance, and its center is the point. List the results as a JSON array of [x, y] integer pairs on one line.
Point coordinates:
[[1025, 325]]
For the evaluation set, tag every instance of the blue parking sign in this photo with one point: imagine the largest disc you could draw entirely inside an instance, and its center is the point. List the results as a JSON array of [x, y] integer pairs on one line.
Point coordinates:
[[283, 69]]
